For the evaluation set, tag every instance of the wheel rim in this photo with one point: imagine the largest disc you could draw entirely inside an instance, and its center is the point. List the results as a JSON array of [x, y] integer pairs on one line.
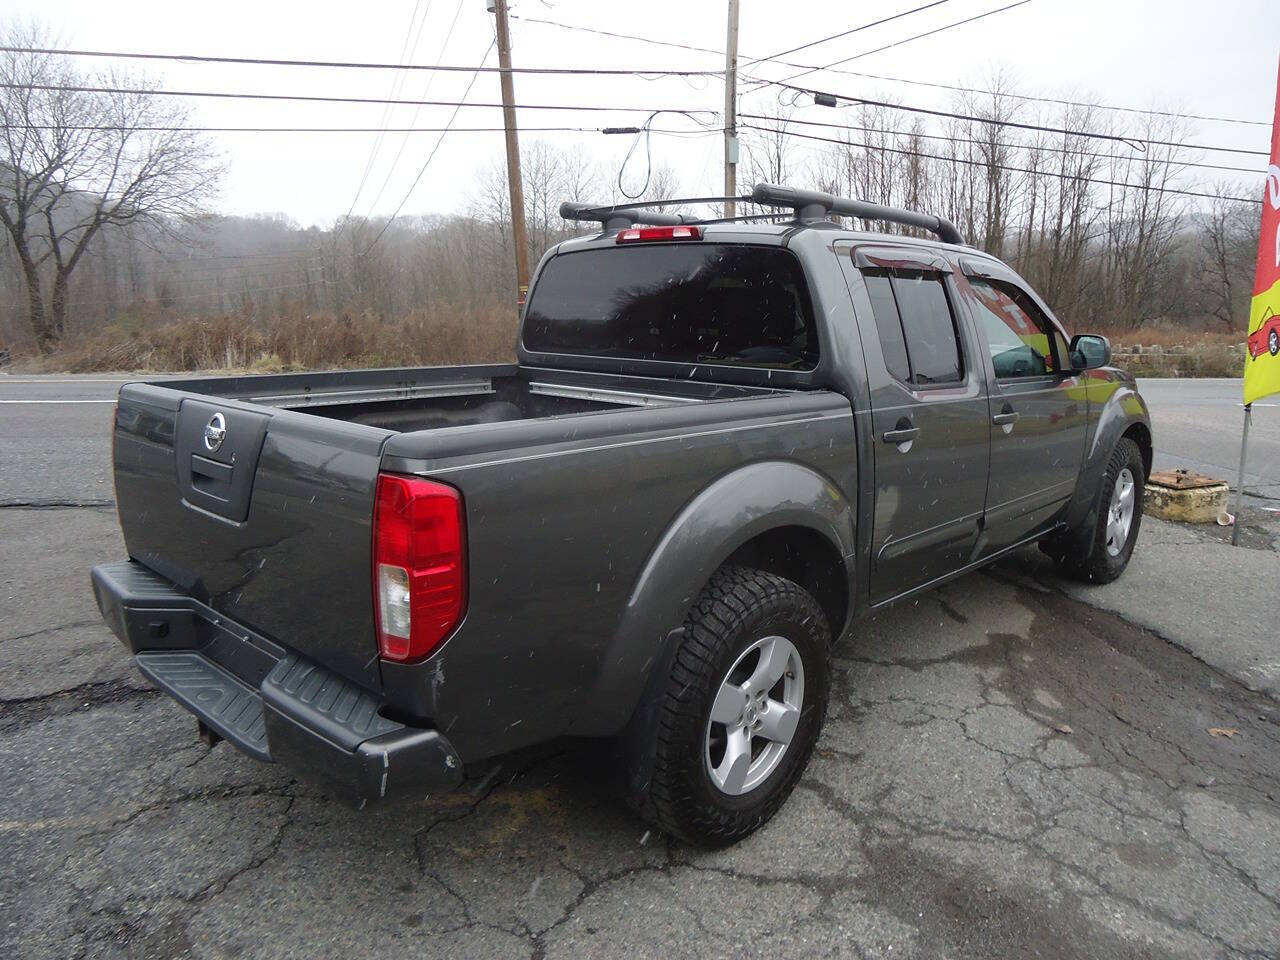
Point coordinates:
[[1273, 343], [754, 715], [1120, 513]]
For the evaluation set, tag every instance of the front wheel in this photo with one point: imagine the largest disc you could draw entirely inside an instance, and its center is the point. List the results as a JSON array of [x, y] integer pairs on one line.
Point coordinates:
[[1117, 514], [1273, 342], [741, 710]]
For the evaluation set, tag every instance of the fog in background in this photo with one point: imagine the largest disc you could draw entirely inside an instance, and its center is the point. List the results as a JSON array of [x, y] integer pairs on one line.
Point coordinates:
[[298, 224]]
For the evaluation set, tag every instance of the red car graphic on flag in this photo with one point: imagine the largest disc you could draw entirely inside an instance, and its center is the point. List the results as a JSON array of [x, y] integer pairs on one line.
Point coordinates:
[[1266, 339]]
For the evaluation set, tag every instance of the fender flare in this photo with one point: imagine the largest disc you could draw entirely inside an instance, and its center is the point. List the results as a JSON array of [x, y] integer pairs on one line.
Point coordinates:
[[727, 513], [1122, 408]]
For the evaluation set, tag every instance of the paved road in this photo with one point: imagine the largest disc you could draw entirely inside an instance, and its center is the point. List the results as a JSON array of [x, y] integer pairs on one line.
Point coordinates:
[[1198, 423], [1005, 771]]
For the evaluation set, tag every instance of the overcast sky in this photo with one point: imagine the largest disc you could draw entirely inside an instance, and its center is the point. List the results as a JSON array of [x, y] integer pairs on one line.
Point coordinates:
[[1216, 59]]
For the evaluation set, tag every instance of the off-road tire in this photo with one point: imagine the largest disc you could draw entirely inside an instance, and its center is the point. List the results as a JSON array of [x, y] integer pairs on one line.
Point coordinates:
[[738, 607], [1086, 558]]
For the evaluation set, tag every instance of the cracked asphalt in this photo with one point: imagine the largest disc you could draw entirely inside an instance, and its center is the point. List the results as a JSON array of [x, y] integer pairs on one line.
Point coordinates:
[[1007, 770]]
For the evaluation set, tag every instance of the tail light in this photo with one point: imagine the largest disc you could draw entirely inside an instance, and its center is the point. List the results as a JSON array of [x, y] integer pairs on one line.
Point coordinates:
[[419, 565], [652, 234]]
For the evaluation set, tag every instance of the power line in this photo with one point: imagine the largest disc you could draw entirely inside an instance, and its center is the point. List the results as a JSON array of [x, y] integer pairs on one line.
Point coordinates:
[[976, 142], [888, 79], [981, 163], [404, 140], [397, 84], [355, 65], [312, 98], [431, 156], [865, 26], [191, 129], [918, 36], [1116, 138], [1053, 100]]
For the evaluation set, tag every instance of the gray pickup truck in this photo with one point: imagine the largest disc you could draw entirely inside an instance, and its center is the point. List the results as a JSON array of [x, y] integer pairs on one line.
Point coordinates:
[[721, 444]]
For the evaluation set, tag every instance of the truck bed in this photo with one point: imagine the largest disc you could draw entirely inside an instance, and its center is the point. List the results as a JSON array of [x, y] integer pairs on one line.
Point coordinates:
[[409, 399], [569, 478]]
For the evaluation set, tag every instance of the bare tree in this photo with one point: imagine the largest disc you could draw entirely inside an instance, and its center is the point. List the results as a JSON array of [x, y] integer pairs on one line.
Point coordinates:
[[76, 162], [769, 151], [1228, 237]]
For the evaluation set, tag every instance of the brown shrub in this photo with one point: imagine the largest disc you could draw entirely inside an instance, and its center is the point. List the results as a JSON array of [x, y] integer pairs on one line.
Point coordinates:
[[295, 340]]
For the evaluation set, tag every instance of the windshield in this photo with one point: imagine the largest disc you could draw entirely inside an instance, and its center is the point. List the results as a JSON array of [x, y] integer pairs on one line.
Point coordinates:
[[689, 303]]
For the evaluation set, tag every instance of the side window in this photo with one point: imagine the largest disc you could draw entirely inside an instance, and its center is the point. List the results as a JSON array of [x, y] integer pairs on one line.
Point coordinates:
[[892, 343], [1019, 335], [916, 325]]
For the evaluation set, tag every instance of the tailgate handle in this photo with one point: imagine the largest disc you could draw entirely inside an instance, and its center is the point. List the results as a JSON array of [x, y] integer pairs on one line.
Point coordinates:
[[202, 468]]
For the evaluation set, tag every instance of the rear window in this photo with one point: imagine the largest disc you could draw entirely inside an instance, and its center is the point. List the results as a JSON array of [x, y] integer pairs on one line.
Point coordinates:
[[689, 303], [917, 329]]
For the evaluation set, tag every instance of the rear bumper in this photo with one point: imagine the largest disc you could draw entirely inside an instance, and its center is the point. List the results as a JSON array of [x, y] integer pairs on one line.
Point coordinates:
[[270, 703]]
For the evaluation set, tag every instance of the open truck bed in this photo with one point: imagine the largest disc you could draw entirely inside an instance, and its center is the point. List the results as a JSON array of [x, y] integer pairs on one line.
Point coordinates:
[[251, 501]]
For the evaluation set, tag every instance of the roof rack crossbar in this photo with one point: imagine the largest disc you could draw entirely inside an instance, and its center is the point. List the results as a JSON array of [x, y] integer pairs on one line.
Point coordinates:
[[816, 205], [620, 216], [614, 219]]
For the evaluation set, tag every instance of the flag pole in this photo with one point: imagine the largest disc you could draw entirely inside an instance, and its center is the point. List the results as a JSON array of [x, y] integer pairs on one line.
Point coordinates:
[[1244, 449]]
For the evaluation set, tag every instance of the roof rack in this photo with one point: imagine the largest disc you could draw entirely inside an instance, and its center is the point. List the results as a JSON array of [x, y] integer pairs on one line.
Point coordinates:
[[620, 216], [816, 205], [805, 204]]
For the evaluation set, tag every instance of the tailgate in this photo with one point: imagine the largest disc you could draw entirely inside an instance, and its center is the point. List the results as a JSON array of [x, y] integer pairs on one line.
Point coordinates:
[[269, 521]]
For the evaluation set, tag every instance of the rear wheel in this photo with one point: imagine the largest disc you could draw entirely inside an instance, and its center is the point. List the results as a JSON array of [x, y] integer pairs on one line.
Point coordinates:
[[1103, 555], [741, 710], [1273, 342]]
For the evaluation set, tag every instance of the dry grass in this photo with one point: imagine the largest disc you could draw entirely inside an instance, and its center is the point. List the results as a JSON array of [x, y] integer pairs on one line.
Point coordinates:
[[1170, 352], [294, 340], [1170, 336], [448, 334]]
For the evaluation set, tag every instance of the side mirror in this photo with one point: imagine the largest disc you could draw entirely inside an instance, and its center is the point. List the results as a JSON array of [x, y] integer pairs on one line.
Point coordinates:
[[1090, 351]]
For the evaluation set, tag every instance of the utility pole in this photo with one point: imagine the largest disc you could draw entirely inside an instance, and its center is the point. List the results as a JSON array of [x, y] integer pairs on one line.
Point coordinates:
[[731, 110], [519, 236]]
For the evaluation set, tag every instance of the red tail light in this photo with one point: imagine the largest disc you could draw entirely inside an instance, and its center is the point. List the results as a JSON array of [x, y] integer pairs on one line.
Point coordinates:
[[650, 234], [419, 565]]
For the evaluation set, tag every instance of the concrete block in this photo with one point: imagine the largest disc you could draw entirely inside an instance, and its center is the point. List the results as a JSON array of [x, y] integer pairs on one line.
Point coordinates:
[[1185, 497]]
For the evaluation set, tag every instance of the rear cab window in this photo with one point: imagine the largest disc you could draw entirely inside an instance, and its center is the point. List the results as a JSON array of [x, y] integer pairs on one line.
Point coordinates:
[[686, 302], [919, 338]]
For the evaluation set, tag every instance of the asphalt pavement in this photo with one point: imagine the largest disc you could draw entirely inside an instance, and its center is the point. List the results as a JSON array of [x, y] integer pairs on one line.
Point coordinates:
[[1011, 767], [1198, 424]]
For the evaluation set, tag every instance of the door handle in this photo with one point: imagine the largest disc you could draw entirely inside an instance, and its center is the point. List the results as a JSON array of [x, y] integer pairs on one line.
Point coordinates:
[[901, 435], [1005, 419]]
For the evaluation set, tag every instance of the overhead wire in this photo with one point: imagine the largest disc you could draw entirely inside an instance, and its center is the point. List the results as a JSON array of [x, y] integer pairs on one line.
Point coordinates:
[[1128, 140], [358, 65], [314, 98], [918, 36], [202, 129], [982, 163], [846, 33], [396, 85], [404, 140], [888, 79], [431, 156], [1048, 148]]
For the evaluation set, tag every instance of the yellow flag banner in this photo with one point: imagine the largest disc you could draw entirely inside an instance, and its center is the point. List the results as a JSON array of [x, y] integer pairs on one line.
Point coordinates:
[[1262, 366]]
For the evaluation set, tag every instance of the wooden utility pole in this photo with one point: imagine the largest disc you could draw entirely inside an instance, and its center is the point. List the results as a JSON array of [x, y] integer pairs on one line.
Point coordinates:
[[731, 110], [519, 236]]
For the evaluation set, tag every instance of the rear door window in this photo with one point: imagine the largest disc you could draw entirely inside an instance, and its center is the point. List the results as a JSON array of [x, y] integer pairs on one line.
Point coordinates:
[[917, 327], [685, 302]]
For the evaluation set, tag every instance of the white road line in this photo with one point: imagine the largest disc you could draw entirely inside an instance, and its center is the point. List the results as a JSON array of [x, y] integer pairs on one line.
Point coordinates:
[[84, 380], [57, 401]]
